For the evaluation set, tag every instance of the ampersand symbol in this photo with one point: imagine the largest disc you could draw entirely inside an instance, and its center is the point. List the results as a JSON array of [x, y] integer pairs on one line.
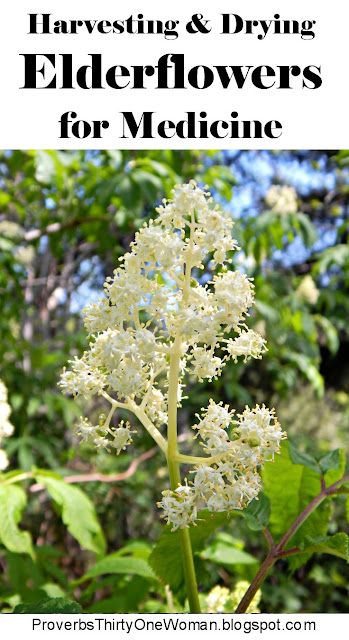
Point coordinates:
[[198, 24]]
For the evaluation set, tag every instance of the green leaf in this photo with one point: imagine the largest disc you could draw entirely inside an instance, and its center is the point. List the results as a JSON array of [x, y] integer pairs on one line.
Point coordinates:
[[164, 558], [307, 368], [135, 548], [226, 550], [49, 605], [12, 502], [330, 461], [126, 596], [257, 513], [78, 512], [267, 311], [330, 332], [335, 461], [337, 545], [298, 457], [116, 564], [307, 229], [290, 487]]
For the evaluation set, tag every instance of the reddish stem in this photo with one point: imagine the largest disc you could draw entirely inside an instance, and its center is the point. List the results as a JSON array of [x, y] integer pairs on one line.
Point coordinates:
[[278, 550]]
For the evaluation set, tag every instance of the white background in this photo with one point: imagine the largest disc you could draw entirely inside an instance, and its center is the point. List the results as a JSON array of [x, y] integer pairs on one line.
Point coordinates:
[[311, 119], [291, 627]]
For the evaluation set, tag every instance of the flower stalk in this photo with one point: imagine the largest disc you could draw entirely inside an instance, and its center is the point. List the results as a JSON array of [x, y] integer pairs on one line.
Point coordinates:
[[175, 477]]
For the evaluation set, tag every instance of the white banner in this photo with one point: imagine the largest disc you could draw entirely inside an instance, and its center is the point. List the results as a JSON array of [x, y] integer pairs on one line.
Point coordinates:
[[146, 627], [183, 75]]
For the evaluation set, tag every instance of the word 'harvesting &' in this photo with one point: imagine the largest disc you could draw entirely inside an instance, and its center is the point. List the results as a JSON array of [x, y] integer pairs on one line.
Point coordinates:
[[229, 24]]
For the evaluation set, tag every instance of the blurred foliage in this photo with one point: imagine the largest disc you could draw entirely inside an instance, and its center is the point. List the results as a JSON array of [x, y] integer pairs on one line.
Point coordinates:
[[65, 219]]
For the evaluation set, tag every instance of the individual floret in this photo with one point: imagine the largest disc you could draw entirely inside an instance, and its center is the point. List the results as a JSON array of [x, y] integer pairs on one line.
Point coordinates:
[[179, 507]]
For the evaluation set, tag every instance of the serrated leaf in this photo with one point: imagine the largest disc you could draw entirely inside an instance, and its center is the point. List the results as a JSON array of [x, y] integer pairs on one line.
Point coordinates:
[[330, 461], [336, 545], [299, 457], [12, 502], [78, 512], [49, 605], [117, 564], [257, 513], [290, 487], [165, 557], [334, 473]]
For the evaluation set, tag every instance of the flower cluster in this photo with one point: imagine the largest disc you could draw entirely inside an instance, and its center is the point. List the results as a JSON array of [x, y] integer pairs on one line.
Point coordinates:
[[102, 435], [307, 290], [157, 291], [282, 199], [157, 316], [6, 428], [231, 479], [221, 600]]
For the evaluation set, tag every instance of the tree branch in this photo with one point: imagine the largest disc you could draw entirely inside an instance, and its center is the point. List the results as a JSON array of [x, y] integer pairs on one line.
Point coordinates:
[[278, 550], [100, 477]]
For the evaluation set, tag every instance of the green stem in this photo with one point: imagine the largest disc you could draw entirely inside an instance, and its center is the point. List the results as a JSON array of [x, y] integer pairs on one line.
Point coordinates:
[[184, 459], [186, 549], [175, 477]]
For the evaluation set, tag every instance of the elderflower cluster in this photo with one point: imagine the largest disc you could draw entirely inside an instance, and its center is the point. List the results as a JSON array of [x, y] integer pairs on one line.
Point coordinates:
[[282, 199], [307, 290], [222, 600], [6, 428], [231, 479], [101, 435], [157, 316]]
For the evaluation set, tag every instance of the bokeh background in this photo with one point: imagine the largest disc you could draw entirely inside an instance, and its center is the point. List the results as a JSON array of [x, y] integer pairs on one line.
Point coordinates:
[[65, 219]]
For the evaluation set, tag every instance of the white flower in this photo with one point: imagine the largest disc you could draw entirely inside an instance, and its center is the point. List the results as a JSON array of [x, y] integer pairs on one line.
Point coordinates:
[[82, 379], [3, 392], [260, 429], [4, 461], [101, 315], [85, 430], [217, 502], [220, 599], [216, 599], [207, 481], [307, 290], [215, 417], [248, 344], [5, 411], [156, 406], [158, 248], [234, 296], [121, 437], [282, 199], [205, 364], [187, 200], [6, 428], [179, 507], [98, 434]]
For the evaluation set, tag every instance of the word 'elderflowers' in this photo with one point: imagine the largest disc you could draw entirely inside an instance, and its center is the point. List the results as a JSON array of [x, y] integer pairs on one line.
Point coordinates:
[[157, 318]]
